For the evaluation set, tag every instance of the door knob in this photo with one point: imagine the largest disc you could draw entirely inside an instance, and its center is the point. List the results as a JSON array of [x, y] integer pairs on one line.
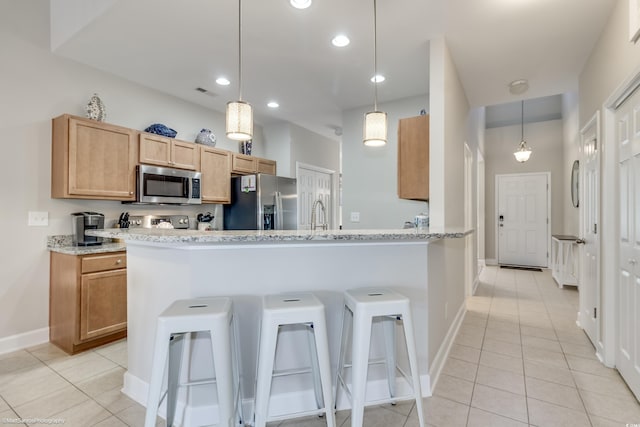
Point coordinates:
[[581, 241]]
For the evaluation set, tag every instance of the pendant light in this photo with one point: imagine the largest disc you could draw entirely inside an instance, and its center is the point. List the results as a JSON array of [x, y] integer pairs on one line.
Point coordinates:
[[239, 113], [523, 152], [375, 122]]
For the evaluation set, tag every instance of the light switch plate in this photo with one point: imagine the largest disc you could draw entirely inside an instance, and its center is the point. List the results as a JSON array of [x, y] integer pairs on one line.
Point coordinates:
[[38, 218], [355, 216]]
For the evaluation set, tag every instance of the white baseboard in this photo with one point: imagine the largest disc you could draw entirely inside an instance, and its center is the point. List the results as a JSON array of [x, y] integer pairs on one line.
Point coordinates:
[[24, 340], [443, 352], [491, 261]]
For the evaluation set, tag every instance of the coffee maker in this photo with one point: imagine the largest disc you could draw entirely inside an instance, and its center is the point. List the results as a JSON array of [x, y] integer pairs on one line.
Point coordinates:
[[82, 221]]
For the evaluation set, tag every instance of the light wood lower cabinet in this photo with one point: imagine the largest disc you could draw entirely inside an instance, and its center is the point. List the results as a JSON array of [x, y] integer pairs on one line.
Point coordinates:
[[88, 300]]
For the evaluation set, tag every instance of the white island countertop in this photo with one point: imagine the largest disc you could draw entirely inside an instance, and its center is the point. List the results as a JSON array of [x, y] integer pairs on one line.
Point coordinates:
[[174, 236]]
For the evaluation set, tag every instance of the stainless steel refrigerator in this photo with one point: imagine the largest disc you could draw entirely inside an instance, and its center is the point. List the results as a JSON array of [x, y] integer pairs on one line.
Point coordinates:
[[262, 202]]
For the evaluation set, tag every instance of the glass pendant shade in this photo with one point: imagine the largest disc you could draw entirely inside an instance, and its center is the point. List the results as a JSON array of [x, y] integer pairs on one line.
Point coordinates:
[[375, 129], [523, 153], [239, 121]]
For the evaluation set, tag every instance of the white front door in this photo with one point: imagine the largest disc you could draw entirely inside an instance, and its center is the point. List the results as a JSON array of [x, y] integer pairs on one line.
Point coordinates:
[[314, 184], [628, 138], [589, 251], [523, 212]]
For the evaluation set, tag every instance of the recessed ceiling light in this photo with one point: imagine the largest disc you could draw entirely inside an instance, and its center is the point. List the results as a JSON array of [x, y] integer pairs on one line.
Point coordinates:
[[518, 87], [223, 81], [340, 40], [300, 4], [378, 78], [273, 104]]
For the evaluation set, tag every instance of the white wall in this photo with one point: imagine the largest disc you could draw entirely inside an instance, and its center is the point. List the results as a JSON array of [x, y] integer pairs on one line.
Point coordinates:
[[369, 175], [450, 127], [570, 153], [277, 139], [37, 86], [613, 60], [546, 142]]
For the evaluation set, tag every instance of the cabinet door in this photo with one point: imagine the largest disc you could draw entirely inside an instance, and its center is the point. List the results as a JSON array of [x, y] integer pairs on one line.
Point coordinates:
[[155, 149], [413, 158], [103, 303], [185, 155], [243, 164], [102, 161], [266, 166], [215, 166]]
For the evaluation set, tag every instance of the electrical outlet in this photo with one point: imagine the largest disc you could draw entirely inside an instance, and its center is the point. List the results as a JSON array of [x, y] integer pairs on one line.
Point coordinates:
[[355, 216], [38, 218]]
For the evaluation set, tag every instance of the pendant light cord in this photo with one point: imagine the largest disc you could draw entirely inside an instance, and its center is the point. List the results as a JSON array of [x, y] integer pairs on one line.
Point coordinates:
[[375, 57], [240, 50], [522, 122]]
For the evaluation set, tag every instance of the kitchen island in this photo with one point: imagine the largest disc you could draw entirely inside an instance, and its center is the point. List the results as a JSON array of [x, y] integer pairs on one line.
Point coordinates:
[[165, 265]]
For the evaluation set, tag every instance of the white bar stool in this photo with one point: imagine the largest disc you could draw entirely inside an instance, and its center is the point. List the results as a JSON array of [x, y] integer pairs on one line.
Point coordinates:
[[361, 307], [213, 315], [303, 309]]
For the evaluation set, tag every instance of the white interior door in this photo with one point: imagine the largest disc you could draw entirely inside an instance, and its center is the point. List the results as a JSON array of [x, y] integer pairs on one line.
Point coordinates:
[[589, 251], [523, 219], [628, 346], [314, 183]]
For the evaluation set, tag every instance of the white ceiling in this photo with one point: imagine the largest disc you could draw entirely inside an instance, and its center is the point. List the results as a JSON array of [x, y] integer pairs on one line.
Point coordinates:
[[177, 46]]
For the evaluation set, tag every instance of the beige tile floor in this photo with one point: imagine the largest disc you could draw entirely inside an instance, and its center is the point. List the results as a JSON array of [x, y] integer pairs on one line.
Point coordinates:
[[518, 360]]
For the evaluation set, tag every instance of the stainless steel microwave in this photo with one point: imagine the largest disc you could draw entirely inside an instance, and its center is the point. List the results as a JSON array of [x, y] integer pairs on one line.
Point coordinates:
[[168, 185]]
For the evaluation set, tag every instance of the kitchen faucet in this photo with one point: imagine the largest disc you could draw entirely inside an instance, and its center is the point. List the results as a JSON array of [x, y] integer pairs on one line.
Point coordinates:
[[313, 215]]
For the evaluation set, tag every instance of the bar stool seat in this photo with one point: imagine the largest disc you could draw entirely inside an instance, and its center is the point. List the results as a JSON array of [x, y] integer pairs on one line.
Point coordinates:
[[303, 309], [183, 317], [361, 308]]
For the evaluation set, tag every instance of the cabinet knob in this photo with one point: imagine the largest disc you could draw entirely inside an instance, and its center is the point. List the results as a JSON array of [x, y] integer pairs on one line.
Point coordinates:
[[119, 261], [131, 193]]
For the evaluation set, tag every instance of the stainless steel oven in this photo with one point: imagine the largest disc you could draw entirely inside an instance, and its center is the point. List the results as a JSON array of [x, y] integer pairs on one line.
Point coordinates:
[[167, 185]]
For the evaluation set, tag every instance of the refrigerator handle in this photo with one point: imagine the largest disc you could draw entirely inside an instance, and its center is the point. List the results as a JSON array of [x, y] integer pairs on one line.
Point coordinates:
[[278, 211]]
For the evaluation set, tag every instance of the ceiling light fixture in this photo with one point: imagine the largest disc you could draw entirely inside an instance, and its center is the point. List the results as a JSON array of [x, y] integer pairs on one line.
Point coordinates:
[[518, 87], [340, 40], [375, 122], [273, 104], [239, 113], [378, 78], [300, 4], [523, 152], [223, 81]]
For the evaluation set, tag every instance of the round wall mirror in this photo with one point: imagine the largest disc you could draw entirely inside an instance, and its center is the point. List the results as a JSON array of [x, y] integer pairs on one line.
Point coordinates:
[[575, 177]]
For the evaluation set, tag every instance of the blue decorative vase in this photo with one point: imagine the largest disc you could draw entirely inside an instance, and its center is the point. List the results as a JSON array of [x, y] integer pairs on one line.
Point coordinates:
[[245, 147], [206, 137]]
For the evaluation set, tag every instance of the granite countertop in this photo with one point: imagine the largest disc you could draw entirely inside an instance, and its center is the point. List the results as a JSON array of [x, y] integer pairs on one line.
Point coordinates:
[[155, 235], [64, 244]]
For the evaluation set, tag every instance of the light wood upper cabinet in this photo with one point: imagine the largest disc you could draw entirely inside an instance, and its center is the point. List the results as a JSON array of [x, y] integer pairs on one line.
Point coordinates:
[[266, 166], [215, 165], [413, 158], [92, 160], [243, 164], [163, 151]]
